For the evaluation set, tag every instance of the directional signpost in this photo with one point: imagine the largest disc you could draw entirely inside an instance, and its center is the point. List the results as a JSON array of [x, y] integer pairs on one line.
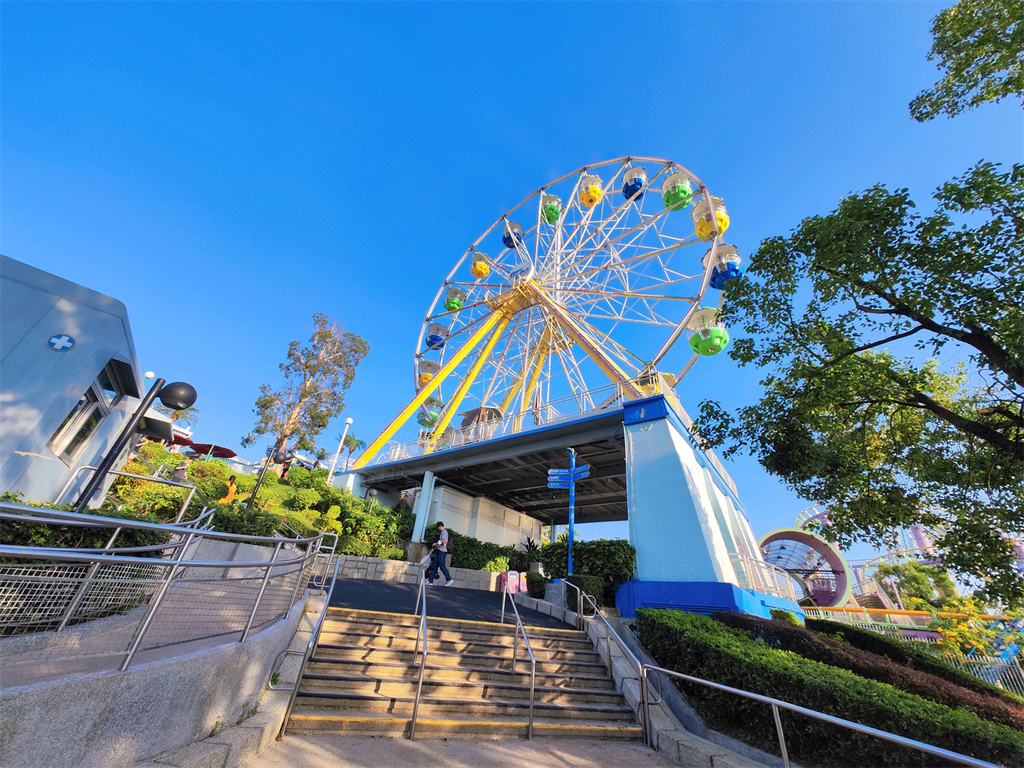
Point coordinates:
[[560, 479]]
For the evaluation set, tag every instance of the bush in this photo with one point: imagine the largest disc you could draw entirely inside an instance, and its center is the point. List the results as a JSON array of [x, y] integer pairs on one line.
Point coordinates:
[[497, 565], [390, 553], [300, 526], [703, 647], [246, 522], [609, 559], [818, 647], [535, 584], [779, 614], [25, 534], [305, 498], [592, 585], [905, 652]]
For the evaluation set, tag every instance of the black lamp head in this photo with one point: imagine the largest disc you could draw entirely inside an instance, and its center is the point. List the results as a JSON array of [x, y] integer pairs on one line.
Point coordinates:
[[178, 395]]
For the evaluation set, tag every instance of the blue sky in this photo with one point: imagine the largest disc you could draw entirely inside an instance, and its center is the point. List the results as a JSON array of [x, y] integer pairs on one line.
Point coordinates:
[[226, 170]]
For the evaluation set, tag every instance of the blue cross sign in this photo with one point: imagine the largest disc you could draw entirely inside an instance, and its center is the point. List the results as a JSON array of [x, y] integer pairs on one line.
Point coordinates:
[[60, 342]]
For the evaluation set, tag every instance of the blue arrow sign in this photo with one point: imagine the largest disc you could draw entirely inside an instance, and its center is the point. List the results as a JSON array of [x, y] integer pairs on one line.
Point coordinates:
[[568, 472], [562, 486]]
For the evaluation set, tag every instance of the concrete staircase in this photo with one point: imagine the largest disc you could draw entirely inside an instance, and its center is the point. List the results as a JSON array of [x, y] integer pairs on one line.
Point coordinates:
[[363, 680]]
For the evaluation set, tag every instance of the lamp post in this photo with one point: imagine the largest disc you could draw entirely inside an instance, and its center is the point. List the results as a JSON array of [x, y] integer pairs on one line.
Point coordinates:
[[337, 453], [177, 396]]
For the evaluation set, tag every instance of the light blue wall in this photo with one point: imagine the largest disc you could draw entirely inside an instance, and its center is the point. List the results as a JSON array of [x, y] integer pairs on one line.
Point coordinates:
[[672, 519], [39, 387]]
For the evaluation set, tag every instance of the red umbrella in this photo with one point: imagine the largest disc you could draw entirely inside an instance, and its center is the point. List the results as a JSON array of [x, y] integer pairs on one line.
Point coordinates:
[[216, 451], [181, 440]]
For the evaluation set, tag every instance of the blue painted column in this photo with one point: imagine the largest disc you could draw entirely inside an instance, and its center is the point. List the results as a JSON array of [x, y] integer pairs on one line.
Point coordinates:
[[572, 501]]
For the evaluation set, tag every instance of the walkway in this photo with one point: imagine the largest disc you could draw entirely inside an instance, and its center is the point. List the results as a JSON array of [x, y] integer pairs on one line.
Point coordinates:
[[339, 751], [442, 602]]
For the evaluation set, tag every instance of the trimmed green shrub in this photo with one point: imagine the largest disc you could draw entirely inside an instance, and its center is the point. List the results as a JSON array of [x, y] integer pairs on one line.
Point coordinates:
[[25, 534], [497, 564], [351, 546], [592, 585], [535, 584], [908, 653], [836, 653], [703, 647], [300, 526], [779, 614], [305, 498], [246, 522], [390, 553], [611, 560]]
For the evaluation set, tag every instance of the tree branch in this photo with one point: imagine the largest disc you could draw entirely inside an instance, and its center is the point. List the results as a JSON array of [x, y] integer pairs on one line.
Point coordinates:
[[973, 336], [874, 344]]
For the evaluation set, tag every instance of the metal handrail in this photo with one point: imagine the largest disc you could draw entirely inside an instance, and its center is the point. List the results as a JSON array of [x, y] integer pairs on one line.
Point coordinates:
[[97, 521], [507, 596], [612, 633], [155, 478], [36, 553], [776, 704], [421, 608], [311, 646]]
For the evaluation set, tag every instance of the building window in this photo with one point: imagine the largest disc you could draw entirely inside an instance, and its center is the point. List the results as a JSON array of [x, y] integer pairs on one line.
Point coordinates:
[[89, 412]]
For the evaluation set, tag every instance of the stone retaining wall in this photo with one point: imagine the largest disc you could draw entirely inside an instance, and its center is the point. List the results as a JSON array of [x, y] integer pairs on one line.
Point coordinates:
[[376, 569]]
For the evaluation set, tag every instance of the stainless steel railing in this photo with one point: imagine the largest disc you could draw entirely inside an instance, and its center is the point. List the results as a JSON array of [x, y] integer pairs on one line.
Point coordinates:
[[507, 597], [192, 488], [611, 633], [134, 599], [306, 653], [421, 633], [777, 704]]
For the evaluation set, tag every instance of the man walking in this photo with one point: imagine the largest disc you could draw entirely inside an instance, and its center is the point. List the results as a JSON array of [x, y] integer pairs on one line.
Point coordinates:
[[440, 553]]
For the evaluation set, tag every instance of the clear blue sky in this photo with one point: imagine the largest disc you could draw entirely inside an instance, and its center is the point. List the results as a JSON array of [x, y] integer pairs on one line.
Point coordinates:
[[229, 169]]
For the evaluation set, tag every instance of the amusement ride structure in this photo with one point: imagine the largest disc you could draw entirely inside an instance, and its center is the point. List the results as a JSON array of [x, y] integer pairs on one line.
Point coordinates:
[[570, 301], [548, 333]]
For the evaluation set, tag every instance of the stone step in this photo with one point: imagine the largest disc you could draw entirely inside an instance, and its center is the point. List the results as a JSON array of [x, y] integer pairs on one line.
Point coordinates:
[[322, 665], [408, 619], [465, 690], [576, 664], [538, 639], [376, 702], [306, 720], [503, 650]]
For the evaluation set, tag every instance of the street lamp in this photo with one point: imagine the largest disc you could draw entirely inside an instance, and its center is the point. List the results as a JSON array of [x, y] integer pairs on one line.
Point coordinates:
[[337, 453], [177, 396]]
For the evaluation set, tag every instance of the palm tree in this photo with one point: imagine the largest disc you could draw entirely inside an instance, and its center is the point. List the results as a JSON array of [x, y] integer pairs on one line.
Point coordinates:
[[187, 416], [352, 444]]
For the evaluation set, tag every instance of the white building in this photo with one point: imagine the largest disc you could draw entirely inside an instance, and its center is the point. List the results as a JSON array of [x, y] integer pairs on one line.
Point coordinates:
[[69, 381]]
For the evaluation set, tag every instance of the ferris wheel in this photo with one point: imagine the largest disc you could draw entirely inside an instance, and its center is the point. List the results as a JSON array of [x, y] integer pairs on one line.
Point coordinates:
[[569, 302]]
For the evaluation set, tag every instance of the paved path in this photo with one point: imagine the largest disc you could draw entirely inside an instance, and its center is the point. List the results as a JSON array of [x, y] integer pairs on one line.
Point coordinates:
[[442, 602], [339, 751]]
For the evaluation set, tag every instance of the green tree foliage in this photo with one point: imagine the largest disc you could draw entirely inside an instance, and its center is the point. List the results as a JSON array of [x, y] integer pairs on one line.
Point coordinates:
[[188, 416], [887, 438], [978, 47], [351, 445], [469, 552], [917, 586], [316, 377]]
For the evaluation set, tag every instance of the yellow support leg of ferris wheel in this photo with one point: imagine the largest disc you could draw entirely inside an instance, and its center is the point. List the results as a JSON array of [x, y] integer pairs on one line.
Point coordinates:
[[371, 450], [541, 355], [467, 381], [567, 322]]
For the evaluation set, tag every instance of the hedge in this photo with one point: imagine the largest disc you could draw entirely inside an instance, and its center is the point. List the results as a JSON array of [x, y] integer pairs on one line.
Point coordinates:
[[906, 652], [836, 653], [26, 534], [592, 585], [477, 555], [611, 560], [535, 584], [704, 647]]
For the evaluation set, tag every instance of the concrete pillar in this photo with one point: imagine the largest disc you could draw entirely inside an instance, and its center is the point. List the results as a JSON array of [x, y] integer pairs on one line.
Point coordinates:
[[423, 506]]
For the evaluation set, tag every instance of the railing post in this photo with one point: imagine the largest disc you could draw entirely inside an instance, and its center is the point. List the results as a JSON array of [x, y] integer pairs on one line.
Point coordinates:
[[80, 592], [533, 686], [298, 580], [515, 649], [645, 706], [259, 595], [164, 587], [184, 507], [782, 736]]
